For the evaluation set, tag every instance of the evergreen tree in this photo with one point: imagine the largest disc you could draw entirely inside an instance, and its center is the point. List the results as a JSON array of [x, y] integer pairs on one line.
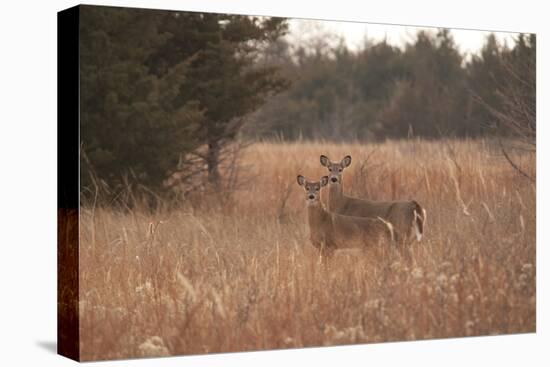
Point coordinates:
[[223, 76], [518, 92], [430, 102], [485, 72], [159, 86], [502, 83], [130, 130]]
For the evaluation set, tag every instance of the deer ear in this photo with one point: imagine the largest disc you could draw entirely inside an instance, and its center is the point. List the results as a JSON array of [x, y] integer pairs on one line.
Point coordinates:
[[346, 161], [324, 181], [301, 180], [324, 160]]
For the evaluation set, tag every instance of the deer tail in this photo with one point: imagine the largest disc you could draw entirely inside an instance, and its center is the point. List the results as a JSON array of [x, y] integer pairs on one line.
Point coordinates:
[[419, 220]]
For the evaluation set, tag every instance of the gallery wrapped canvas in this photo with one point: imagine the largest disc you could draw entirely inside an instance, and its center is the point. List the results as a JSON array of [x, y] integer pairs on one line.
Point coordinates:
[[231, 183]]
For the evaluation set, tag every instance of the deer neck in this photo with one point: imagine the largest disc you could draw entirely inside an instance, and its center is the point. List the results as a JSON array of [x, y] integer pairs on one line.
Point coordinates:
[[317, 216], [335, 195]]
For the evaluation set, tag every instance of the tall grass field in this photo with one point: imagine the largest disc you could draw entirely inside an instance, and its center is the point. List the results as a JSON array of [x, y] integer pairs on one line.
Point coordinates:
[[235, 271]]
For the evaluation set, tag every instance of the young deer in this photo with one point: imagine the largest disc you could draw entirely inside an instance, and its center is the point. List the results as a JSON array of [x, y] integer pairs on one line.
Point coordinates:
[[408, 217], [331, 231]]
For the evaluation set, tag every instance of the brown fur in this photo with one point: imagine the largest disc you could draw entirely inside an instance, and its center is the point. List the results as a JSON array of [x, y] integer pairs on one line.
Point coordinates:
[[400, 213], [332, 231]]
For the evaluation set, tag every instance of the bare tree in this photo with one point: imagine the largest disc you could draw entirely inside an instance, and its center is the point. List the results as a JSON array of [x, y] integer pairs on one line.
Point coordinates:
[[515, 114]]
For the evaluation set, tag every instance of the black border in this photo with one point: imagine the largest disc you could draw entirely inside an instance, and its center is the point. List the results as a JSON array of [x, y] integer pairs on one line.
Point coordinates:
[[68, 332]]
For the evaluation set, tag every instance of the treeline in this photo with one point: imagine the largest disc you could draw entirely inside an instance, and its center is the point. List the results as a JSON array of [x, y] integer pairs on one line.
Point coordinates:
[[427, 89], [167, 97]]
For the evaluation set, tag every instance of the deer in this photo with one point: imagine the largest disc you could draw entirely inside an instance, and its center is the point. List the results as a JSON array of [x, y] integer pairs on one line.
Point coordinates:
[[330, 231], [407, 216]]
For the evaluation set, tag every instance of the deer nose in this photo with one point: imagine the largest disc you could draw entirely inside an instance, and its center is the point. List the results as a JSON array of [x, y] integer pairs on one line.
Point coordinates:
[[311, 196], [334, 179]]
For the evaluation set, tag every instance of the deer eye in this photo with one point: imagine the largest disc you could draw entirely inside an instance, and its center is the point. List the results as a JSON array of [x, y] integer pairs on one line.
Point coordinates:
[[339, 170]]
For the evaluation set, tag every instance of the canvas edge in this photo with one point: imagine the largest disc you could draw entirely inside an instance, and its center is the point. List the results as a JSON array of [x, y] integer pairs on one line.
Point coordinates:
[[68, 328]]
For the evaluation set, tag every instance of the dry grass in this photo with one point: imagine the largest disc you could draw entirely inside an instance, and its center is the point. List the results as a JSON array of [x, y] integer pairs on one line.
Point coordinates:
[[243, 275]]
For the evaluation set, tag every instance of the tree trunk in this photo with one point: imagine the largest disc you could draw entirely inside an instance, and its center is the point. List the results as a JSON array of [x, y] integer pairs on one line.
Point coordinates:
[[212, 161]]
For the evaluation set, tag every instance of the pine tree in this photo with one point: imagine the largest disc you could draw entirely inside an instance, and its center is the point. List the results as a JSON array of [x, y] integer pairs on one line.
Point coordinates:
[[158, 86], [502, 82], [430, 100], [222, 77], [485, 72], [130, 131]]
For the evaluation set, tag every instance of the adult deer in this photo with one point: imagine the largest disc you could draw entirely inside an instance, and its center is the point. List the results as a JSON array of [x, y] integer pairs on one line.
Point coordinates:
[[331, 231], [407, 216]]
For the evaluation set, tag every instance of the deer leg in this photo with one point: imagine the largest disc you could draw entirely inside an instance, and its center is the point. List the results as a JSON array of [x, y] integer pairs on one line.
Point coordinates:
[[325, 253], [406, 250], [322, 253]]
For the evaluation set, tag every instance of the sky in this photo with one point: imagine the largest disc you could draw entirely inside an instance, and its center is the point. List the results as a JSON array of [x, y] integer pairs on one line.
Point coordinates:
[[354, 33]]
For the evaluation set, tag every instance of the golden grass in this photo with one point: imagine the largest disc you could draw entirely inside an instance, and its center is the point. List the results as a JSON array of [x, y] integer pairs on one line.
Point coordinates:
[[238, 272]]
